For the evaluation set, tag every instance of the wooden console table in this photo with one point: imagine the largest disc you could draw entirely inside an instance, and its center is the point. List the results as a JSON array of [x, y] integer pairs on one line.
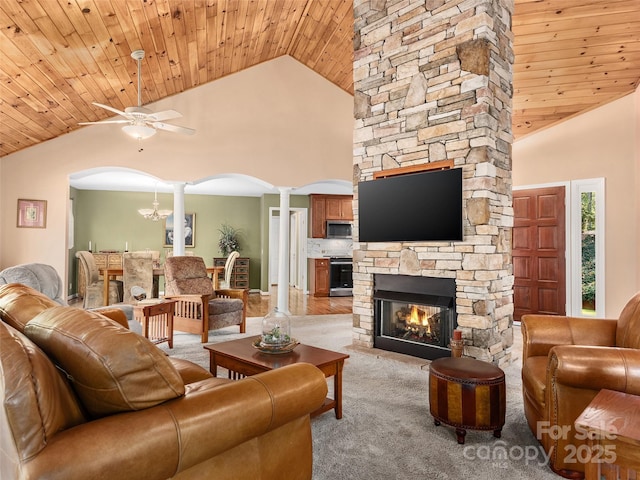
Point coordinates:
[[612, 425]]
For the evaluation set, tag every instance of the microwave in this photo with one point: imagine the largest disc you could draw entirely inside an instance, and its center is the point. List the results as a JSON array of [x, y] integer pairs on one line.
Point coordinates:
[[339, 229]]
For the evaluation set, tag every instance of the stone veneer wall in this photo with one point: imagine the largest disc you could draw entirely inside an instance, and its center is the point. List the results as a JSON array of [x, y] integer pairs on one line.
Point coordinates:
[[433, 81]]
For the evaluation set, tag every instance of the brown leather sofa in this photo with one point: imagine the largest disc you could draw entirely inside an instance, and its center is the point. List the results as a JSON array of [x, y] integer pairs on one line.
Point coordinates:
[[566, 362], [84, 397]]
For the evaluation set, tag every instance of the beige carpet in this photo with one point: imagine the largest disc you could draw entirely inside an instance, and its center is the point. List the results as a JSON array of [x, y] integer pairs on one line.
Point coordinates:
[[386, 431]]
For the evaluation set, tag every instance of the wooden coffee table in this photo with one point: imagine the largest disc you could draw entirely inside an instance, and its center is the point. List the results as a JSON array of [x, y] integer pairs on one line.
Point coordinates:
[[241, 358]]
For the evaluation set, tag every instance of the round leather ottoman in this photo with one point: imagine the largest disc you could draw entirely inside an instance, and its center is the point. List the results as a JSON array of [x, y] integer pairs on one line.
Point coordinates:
[[467, 394]]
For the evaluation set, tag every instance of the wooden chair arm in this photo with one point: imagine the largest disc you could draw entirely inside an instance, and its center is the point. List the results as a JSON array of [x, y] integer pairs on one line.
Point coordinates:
[[193, 298], [240, 293]]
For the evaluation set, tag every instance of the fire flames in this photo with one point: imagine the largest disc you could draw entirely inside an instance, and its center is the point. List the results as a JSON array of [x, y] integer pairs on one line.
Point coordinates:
[[419, 317]]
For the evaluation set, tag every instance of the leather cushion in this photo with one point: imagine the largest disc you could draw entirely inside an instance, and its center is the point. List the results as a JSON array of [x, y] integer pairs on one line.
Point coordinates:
[[20, 303], [189, 371], [628, 331], [38, 402], [534, 377], [111, 368]]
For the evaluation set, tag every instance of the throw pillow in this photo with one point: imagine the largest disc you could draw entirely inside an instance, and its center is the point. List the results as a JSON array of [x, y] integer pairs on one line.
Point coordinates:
[[38, 402], [20, 303], [111, 368]]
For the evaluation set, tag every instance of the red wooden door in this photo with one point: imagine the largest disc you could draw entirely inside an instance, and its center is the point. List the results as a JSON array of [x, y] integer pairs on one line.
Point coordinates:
[[539, 251]]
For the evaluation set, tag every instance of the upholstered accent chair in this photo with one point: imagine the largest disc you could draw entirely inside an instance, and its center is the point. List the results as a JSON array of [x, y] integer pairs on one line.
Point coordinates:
[[566, 362], [38, 276], [199, 308], [93, 296], [137, 271], [228, 269]]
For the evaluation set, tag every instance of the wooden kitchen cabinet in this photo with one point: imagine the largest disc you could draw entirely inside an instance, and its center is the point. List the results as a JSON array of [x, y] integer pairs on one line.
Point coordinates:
[[321, 277], [318, 216], [329, 207], [339, 207]]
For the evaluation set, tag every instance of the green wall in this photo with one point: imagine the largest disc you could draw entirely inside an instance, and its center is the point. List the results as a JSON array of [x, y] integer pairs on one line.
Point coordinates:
[[109, 219]]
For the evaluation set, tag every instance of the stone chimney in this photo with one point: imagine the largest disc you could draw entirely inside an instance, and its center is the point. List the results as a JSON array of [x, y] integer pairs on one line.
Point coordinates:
[[433, 82]]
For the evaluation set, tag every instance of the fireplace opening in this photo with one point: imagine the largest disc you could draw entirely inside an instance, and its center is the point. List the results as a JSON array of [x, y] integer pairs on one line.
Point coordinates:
[[414, 315]]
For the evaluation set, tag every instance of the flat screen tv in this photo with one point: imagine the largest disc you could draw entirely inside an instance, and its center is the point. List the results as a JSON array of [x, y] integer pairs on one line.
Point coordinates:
[[417, 207]]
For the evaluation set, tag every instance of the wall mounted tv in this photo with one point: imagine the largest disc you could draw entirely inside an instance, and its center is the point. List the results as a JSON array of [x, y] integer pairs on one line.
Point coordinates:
[[417, 207]]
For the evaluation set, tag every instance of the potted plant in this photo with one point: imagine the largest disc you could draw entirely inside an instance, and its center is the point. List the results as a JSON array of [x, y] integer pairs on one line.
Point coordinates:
[[228, 241]]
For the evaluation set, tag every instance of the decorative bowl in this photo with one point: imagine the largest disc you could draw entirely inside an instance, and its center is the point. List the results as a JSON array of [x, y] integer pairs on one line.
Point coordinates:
[[275, 349]]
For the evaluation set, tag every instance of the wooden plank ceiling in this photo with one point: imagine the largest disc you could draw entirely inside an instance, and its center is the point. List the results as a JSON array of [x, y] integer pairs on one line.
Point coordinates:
[[58, 56]]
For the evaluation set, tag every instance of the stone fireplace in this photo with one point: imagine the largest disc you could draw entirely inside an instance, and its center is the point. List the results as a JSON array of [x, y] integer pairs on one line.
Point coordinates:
[[414, 315], [433, 84]]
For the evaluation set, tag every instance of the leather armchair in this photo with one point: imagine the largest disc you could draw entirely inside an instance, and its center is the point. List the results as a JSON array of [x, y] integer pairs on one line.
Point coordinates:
[[155, 417], [566, 362], [199, 308]]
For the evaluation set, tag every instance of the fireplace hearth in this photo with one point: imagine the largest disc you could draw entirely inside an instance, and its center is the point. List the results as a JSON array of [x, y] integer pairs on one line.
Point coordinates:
[[414, 315]]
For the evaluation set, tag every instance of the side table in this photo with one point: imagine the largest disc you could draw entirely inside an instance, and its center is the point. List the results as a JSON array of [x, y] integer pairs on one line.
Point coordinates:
[[156, 317], [611, 423]]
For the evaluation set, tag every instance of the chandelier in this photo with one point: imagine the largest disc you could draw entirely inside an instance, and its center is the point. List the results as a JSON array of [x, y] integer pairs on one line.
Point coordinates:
[[154, 214]]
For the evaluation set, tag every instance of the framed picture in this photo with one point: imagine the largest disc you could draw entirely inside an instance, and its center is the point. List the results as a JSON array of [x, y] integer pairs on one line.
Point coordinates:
[[32, 213], [189, 230]]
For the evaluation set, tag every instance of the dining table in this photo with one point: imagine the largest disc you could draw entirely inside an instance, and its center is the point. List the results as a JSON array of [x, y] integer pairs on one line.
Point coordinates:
[[109, 273]]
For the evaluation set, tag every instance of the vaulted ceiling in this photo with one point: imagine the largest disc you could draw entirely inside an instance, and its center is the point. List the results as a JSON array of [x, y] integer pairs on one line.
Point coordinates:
[[59, 56]]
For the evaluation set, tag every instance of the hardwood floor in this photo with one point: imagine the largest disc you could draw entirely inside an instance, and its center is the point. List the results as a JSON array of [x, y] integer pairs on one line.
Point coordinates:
[[299, 304]]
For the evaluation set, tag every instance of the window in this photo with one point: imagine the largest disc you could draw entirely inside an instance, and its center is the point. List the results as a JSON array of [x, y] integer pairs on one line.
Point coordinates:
[[587, 246]]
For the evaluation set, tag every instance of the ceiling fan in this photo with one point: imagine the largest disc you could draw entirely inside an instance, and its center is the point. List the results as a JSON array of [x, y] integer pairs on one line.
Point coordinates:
[[141, 122]]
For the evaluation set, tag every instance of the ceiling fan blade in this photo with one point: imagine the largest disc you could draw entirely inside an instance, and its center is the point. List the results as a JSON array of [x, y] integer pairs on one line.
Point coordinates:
[[164, 115], [173, 128], [111, 109], [104, 121]]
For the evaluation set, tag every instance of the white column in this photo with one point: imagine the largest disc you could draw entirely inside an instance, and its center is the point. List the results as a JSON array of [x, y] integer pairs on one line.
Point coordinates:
[[178, 219], [283, 266]]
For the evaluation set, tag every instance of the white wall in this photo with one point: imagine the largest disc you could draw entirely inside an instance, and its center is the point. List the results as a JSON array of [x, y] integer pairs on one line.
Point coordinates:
[[601, 143], [278, 121]]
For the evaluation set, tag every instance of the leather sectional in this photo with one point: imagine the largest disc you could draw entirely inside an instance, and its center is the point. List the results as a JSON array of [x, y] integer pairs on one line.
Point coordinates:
[[85, 397]]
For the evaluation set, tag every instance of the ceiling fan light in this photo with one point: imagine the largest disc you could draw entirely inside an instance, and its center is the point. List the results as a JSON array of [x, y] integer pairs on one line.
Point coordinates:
[[139, 132]]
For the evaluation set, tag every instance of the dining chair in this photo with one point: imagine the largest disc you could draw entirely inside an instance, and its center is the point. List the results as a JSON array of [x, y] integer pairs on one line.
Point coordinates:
[[137, 271], [93, 291], [228, 269], [200, 308]]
